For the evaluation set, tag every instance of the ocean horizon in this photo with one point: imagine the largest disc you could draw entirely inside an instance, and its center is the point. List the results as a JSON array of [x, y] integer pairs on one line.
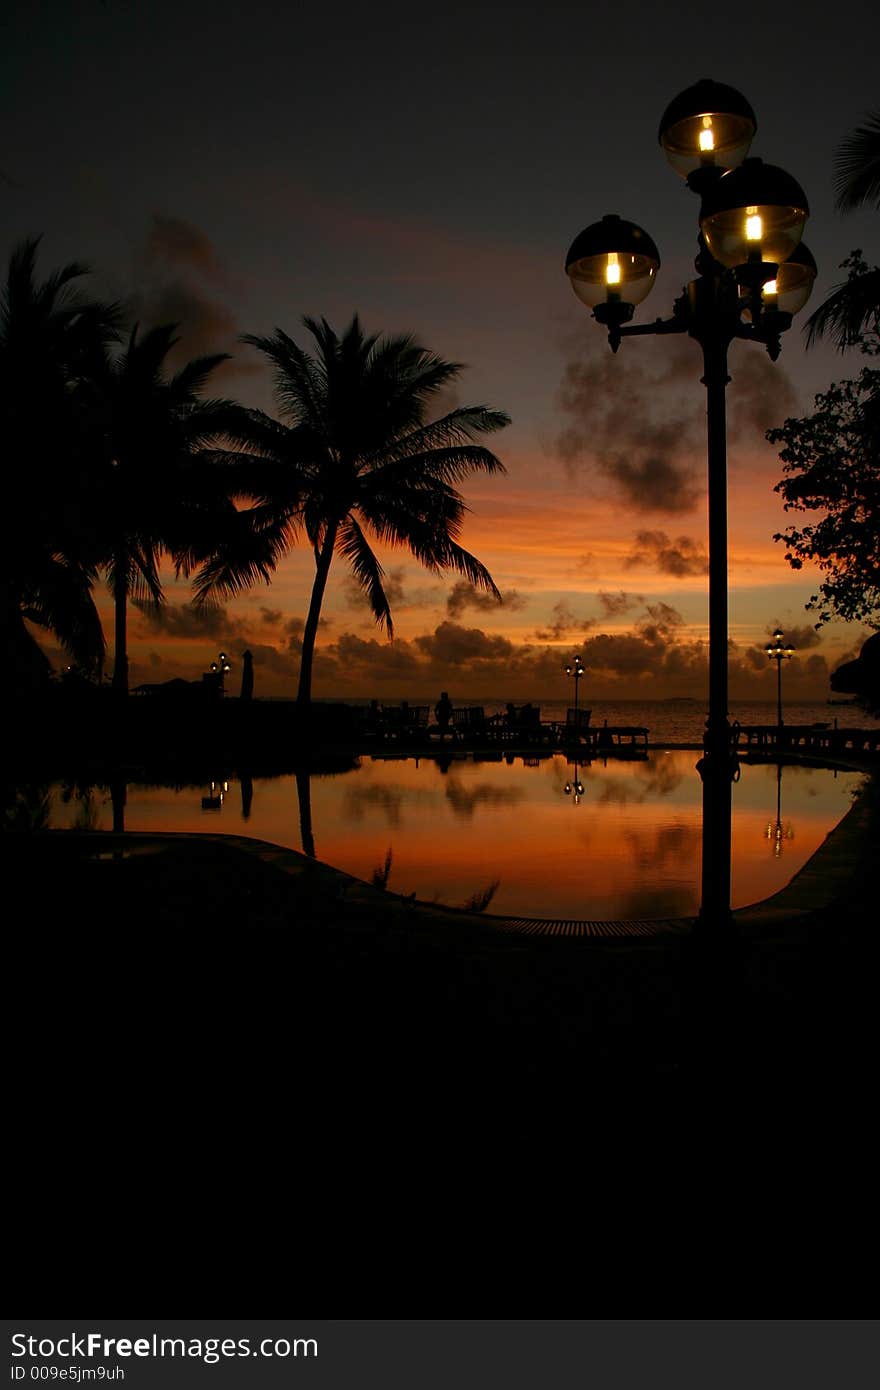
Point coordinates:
[[675, 720]]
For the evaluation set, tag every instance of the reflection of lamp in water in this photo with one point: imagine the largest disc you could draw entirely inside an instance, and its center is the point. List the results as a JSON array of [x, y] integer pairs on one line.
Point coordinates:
[[775, 831], [575, 787], [750, 224], [214, 800], [779, 652]]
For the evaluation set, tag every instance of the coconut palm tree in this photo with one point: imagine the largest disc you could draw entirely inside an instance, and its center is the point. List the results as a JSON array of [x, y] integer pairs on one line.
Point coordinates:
[[50, 337], [355, 461], [852, 310], [161, 490], [857, 166]]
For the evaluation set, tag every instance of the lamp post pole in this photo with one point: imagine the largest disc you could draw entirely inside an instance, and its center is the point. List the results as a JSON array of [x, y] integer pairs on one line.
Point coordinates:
[[779, 652], [752, 275], [576, 669]]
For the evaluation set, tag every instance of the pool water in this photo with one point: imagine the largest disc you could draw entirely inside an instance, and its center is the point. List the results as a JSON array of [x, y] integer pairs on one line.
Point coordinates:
[[628, 847]]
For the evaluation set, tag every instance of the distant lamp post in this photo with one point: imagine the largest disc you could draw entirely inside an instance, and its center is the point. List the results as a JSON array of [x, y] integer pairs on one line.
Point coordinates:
[[779, 652], [576, 669], [751, 219], [220, 670]]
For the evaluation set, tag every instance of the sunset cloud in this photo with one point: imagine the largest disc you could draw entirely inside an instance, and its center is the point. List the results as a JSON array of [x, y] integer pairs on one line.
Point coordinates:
[[180, 279], [614, 605], [680, 557], [463, 595], [564, 623], [639, 422]]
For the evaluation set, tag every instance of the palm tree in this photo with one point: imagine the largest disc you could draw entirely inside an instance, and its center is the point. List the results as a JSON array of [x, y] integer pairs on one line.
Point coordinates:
[[162, 491], [50, 336], [356, 462], [853, 307], [857, 166]]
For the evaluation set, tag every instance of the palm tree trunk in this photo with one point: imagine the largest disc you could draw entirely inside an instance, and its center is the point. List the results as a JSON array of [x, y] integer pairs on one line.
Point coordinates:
[[304, 797], [120, 652], [304, 693]]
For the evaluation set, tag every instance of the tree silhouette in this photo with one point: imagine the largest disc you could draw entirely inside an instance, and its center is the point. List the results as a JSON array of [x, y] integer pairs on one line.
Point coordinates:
[[355, 461], [50, 337], [853, 307], [857, 166], [161, 490], [831, 458]]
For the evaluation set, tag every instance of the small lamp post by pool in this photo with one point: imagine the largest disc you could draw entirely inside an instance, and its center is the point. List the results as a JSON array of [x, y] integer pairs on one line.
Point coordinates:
[[575, 669], [751, 220], [779, 652], [220, 670]]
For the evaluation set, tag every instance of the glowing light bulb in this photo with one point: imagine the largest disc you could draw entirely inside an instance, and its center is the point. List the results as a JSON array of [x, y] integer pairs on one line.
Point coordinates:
[[707, 135], [754, 225], [612, 269], [770, 287]]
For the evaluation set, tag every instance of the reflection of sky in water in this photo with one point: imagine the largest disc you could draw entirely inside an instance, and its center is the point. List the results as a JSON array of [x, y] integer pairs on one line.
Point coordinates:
[[630, 848]]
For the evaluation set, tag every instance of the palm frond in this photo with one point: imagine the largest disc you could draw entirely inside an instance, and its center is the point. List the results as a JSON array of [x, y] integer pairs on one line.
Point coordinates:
[[193, 376], [353, 544], [299, 381], [857, 166], [850, 308], [62, 601], [245, 553]]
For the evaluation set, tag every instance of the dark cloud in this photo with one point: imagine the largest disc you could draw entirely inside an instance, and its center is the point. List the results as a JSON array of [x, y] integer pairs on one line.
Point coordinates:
[[451, 643], [639, 416], [463, 595], [679, 557], [634, 418], [657, 657], [760, 394], [392, 583], [564, 624], [801, 638], [174, 241], [613, 605], [660, 622], [184, 620], [271, 616], [179, 278]]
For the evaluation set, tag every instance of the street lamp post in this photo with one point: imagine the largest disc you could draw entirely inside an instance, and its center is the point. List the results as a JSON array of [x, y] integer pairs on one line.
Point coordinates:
[[219, 670], [575, 669], [753, 274], [779, 652]]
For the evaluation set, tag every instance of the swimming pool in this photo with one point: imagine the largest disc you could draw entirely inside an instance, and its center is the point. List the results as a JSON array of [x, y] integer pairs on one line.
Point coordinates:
[[628, 846]]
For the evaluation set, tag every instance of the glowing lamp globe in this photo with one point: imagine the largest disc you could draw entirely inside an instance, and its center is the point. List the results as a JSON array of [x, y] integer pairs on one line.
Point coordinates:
[[707, 127], [794, 280], [755, 213], [612, 262]]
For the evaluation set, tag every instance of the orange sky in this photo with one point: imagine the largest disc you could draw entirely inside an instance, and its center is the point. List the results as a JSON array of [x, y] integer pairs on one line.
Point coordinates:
[[577, 572]]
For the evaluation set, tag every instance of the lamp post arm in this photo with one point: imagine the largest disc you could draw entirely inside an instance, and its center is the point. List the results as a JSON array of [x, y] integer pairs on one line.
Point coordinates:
[[636, 330]]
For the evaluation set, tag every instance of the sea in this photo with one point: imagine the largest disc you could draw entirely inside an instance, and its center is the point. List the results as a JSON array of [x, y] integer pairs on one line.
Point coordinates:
[[682, 721]]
